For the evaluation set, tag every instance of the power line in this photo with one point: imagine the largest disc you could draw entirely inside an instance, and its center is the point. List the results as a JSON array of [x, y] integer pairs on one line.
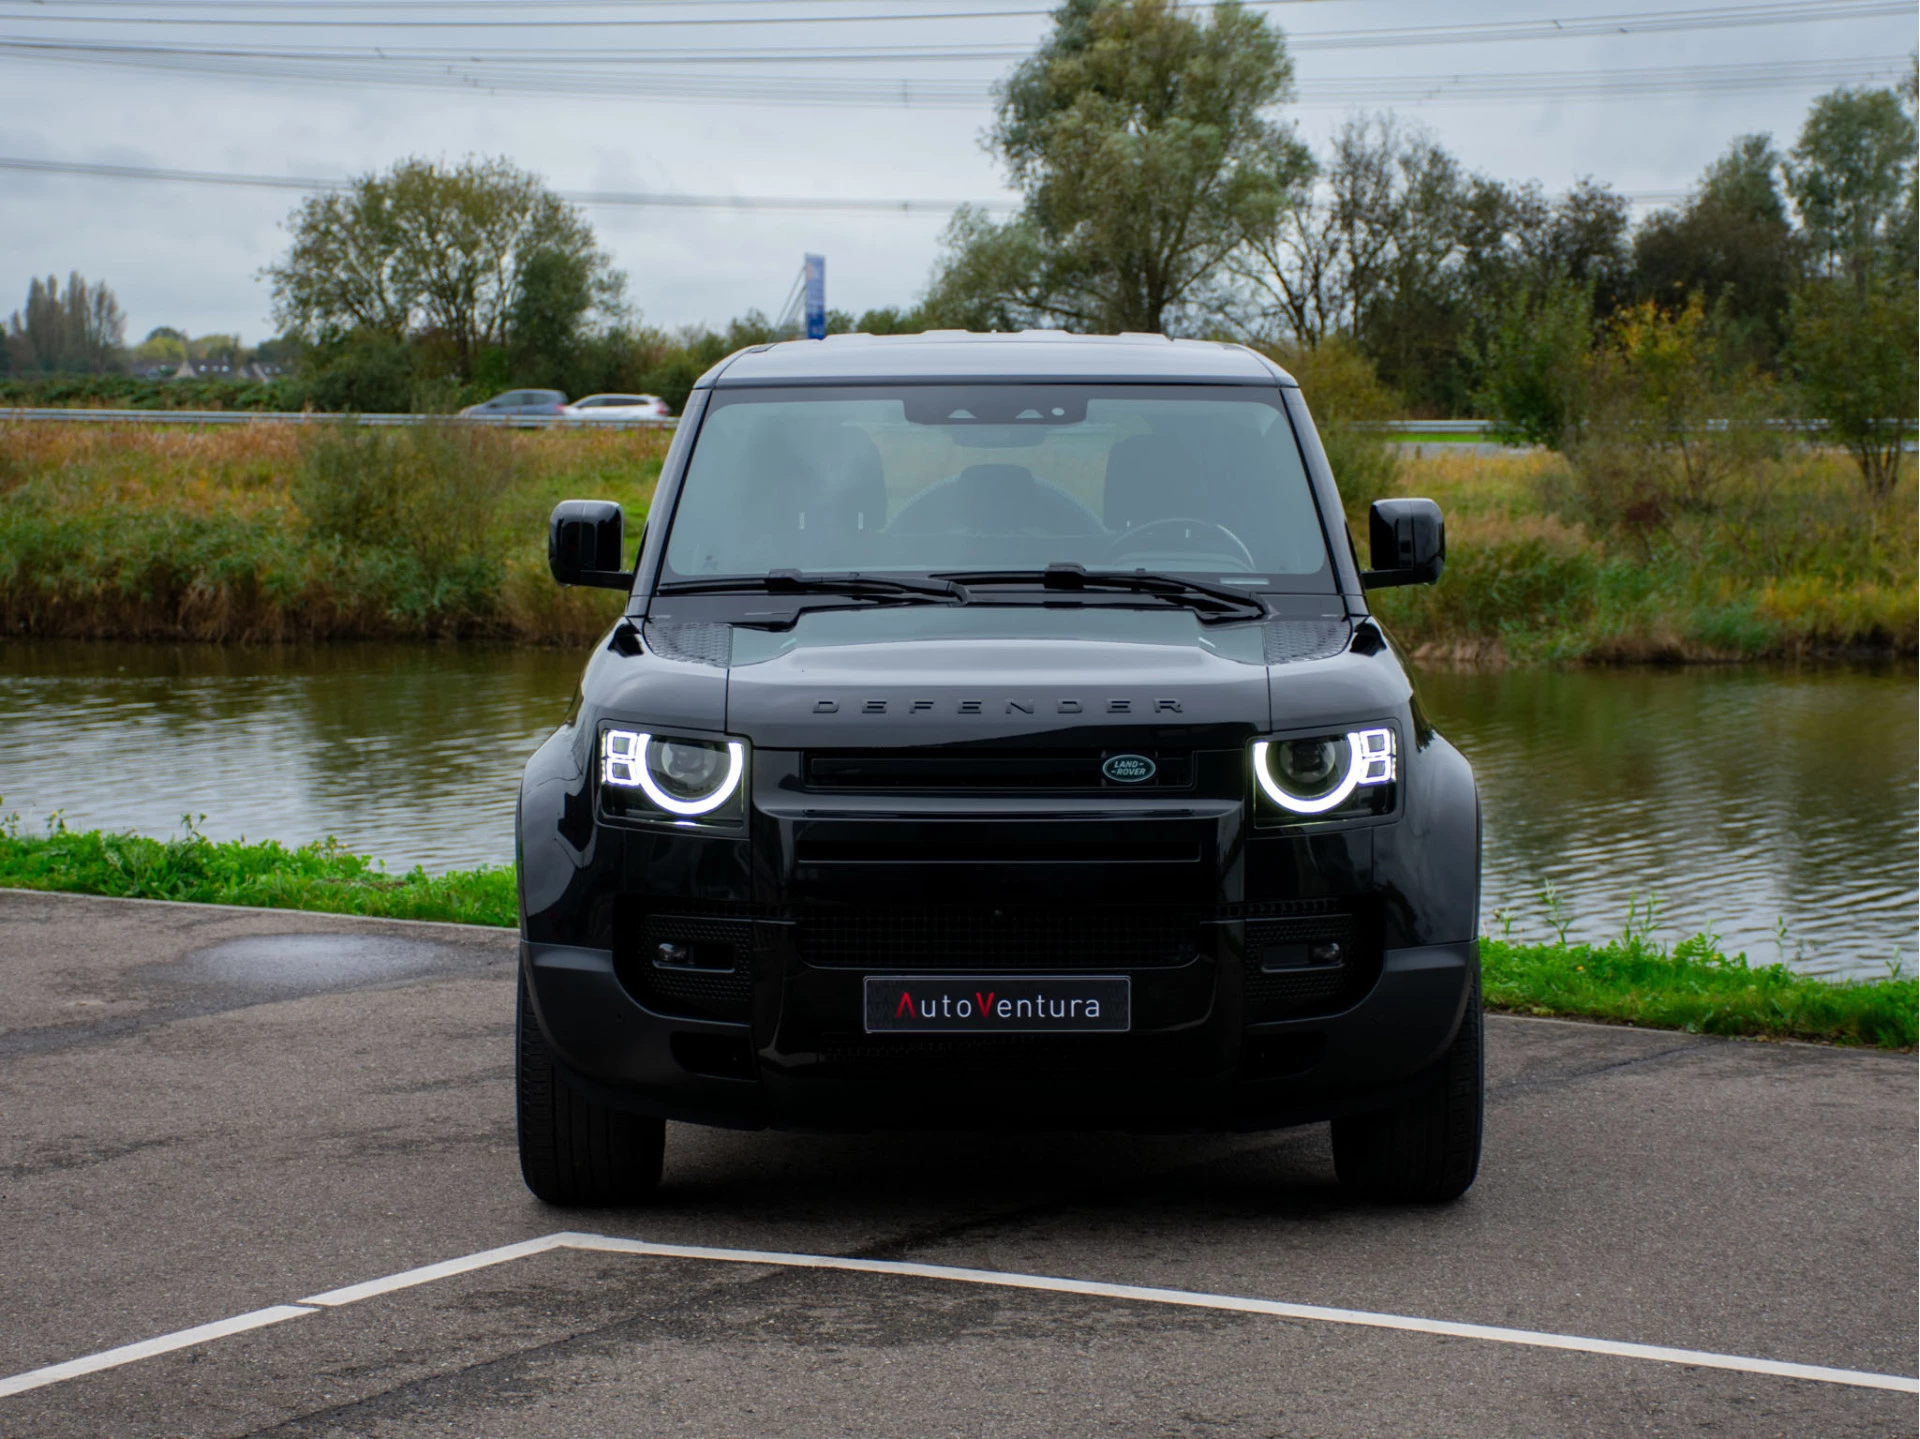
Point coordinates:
[[544, 23], [618, 198], [574, 75], [467, 6], [1645, 22], [653, 56], [1774, 12], [311, 184], [1756, 78]]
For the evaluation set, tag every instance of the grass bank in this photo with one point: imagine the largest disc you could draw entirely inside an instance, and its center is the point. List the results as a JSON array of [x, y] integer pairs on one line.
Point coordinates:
[[191, 868], [1693, 987], [1696, 987], [302, 532], [315, 532], [1793, 560]]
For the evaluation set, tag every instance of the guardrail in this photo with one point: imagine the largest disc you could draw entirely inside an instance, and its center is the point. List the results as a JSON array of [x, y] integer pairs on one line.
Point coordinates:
[[297, 417], [1430, 427]]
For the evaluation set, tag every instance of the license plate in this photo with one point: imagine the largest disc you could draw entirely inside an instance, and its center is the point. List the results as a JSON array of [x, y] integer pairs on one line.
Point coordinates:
[[999, 1004]]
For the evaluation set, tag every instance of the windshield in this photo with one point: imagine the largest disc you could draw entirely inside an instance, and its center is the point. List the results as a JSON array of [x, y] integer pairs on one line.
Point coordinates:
[[1200, 481]]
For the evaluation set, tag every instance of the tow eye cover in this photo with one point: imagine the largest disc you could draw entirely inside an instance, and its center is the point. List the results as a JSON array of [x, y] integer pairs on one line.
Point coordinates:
[[1129, 768]]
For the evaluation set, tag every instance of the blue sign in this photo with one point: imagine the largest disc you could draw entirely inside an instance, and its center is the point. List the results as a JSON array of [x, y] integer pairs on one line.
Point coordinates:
[[816, 297]]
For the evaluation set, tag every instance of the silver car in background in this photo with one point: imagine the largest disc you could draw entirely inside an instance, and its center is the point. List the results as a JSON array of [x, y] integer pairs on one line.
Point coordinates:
[[620, 407]]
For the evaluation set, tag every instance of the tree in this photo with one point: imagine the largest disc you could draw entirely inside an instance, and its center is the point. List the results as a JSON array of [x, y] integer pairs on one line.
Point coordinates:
[[1853, 358], [1139, 138], [1851, 176], [993, 276], [450, 251], [1399, 249], [548, 320], [79, 332], [1732, 241], [163, 347], [1382, 214], [1533, 364], [1348, 403]]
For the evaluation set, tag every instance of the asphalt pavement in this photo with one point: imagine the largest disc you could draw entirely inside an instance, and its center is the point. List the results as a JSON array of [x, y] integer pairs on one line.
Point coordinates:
[[214, 1114]]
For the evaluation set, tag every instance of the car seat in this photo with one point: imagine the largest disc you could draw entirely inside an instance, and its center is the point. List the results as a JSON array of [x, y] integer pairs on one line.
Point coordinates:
[[818, 493], [994, 500], [1220, 474]]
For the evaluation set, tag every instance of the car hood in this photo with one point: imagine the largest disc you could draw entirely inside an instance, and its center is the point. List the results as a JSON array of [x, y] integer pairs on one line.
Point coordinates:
[[963, 690], [939, 677]]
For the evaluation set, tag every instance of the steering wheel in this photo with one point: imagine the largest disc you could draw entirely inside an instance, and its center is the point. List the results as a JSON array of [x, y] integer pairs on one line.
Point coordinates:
[[1129, 543]]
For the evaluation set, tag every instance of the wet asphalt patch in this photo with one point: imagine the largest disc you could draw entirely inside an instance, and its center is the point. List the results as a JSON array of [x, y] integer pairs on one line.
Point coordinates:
[[268, 969]]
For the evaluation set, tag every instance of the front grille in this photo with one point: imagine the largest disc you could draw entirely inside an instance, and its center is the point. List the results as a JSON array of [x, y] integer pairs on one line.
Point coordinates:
[[716, 981], [1015, 937], [937, 844], [999, 1058], [1001, 771], [1305, 965]]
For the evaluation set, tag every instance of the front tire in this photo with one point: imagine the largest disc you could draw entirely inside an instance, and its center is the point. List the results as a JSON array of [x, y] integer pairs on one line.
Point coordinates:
[[1426, 1148], [574, 1152]]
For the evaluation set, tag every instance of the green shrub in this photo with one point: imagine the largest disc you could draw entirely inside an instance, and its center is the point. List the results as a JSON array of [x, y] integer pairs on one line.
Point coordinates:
[[1853, 357], [406, 514], [133, 392], [1671, 414], [1344, 393], [368, 373], [1532, 368]]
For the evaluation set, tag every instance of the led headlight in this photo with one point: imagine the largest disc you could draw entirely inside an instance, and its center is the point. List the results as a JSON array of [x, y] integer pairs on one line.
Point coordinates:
[[1319, 774], [680, 776]]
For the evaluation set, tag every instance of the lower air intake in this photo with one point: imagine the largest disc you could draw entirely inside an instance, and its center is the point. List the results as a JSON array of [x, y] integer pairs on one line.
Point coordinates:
[[1305, 965], [1037, 938], [690, 966]]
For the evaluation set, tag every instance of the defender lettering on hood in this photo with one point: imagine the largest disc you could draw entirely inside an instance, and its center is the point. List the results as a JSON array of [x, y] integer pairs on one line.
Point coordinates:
[[1020, 706]]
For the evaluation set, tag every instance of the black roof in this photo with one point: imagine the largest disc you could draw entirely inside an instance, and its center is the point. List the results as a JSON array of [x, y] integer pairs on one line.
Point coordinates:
[[1028, 355]]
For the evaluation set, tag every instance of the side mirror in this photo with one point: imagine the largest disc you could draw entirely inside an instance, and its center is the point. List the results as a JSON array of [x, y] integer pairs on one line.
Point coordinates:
[[1409, 542], [584, 543]]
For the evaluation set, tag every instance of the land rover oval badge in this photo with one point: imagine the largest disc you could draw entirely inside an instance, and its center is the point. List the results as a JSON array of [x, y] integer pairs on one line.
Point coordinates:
[[1129, 768]]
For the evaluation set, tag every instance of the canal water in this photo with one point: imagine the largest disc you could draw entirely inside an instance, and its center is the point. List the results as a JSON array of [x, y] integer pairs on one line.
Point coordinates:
[[1775, 805]]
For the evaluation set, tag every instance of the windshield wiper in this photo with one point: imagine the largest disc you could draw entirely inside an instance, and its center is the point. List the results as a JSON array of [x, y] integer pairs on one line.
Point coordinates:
[[852, 585], [1211, 601]]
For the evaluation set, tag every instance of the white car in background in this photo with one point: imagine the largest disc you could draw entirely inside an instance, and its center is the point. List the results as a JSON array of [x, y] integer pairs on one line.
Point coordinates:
[[619, 407]]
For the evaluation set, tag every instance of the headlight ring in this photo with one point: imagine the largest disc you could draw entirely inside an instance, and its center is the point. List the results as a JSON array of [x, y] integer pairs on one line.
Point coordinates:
[[638, 759], [1371, 759]]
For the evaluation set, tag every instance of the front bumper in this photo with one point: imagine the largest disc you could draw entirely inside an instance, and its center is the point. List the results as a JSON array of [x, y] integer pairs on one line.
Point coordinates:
[[1193, 1064]]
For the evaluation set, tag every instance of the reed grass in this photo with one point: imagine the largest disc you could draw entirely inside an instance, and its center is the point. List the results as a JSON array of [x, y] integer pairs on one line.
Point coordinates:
[[303, 532], [1794, 560], [312, 532]]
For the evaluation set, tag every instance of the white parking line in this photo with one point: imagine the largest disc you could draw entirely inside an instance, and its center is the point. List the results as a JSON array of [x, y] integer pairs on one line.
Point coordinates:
[[147, 1348], [445, 1269], [1090, 1288]]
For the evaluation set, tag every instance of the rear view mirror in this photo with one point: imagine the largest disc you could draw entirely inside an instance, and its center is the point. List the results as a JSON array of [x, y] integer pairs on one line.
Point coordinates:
[[1409, 542], [585, 539]]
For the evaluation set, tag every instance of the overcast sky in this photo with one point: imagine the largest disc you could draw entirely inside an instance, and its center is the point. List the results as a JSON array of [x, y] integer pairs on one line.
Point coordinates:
[[189, 255]]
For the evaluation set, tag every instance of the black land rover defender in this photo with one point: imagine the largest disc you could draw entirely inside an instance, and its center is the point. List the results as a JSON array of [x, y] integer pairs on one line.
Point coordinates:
[[996, 735]]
